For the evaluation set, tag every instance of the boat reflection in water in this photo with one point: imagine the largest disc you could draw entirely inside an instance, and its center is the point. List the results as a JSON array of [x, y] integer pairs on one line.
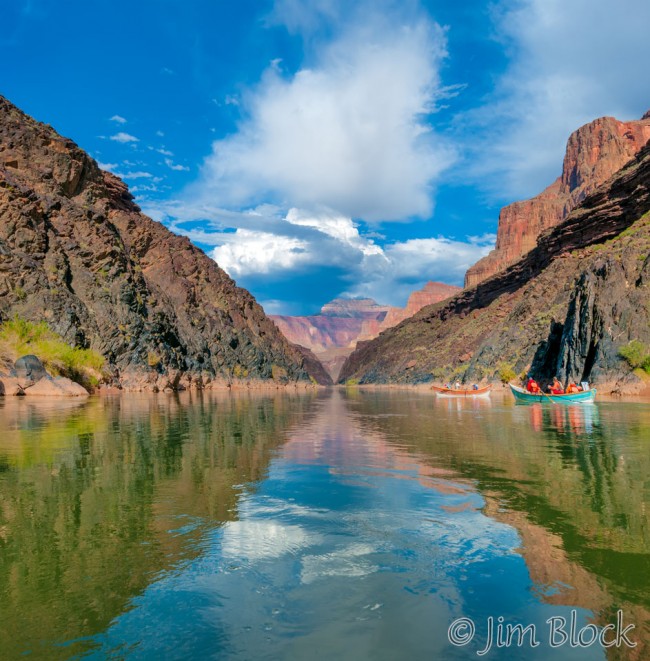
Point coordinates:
[[578, 420]]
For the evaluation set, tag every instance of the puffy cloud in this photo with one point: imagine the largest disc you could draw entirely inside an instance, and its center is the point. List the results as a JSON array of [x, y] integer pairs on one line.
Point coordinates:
[[124, 137], [349, 133], [118, 119], [173, 166], [110, 167], [247, 251], [570, 62], [338, 227], [285, 247], [410, 264]]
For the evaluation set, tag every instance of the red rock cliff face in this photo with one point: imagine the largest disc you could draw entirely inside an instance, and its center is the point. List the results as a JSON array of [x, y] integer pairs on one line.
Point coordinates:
[[338, 325], [432, 292], [594, 153]]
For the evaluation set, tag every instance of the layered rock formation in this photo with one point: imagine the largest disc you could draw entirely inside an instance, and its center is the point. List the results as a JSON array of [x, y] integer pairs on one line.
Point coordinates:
[[338, 325], [76, 251], [565, 308], [333, 334], [594, 153], [432, 292]]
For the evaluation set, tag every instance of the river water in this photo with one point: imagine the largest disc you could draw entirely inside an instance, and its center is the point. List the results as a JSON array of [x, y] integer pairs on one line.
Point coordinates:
[[341, 524]]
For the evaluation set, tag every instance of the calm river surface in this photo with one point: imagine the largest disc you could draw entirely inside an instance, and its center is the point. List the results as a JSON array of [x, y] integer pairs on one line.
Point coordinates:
[[330, 525]]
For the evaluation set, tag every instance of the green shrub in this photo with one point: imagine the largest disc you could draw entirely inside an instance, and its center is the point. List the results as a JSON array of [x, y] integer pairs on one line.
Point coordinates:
[[153, 359], [636, 354], [440, 373], [506, 372], [278, 373], [19, 337]]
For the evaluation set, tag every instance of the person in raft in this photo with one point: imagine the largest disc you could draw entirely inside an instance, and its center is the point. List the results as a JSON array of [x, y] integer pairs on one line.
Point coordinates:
[[556, 387], [531, 385], [572, 387]]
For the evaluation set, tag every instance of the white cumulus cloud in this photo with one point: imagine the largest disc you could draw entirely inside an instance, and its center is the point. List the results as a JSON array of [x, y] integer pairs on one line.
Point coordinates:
[[118, 119], [350, 132], [248, 251], [266, 242], [110, 167], [174, 166], [140, 174], [124, 137]]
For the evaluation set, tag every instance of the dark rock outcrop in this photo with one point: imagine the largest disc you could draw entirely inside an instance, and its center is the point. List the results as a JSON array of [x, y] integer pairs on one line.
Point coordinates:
[[565, 308], [315, 367], [29, 368], [76, 251]]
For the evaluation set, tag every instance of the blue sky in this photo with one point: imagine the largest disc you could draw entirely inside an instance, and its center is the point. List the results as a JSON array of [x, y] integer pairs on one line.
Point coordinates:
[[318, 148]]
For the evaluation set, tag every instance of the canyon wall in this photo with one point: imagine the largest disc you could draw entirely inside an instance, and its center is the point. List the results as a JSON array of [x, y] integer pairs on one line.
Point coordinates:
[[76, 252], [565, 308], [594, 153]]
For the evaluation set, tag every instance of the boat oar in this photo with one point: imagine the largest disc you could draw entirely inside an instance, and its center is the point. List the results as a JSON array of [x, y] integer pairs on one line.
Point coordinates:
[[546, 395]]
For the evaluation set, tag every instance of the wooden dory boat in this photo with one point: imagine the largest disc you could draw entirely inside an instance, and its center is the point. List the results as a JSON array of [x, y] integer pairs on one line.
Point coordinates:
[[452, 392], [522, 395]]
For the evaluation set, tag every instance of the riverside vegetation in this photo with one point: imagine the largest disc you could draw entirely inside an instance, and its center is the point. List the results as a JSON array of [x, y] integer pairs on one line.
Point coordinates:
[[19, 337]]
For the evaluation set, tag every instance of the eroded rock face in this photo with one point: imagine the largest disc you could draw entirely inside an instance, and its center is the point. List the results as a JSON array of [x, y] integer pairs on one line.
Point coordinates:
[[76, 251], [432, 292], [565, 308], [594, 153], [333, 334]]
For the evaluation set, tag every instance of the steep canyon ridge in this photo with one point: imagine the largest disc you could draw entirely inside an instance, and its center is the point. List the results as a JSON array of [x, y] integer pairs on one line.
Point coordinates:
[[567, 286], [76, 251]]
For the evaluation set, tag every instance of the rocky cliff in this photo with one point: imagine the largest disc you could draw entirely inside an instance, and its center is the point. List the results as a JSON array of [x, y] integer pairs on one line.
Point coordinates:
[[432, 292], [565, 308], [594, 153], [333, 334], [76, 251]]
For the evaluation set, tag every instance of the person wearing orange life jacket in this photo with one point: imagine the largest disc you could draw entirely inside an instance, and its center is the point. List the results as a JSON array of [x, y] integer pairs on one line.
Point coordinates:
[[556, 387], [571, 388]]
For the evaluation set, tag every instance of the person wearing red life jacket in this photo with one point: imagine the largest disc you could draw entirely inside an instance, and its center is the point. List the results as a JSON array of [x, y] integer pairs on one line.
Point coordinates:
[[531, 385]]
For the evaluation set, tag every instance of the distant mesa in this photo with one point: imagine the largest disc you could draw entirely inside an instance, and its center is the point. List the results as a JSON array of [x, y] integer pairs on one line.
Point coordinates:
[[333, 334], [594, 153]]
